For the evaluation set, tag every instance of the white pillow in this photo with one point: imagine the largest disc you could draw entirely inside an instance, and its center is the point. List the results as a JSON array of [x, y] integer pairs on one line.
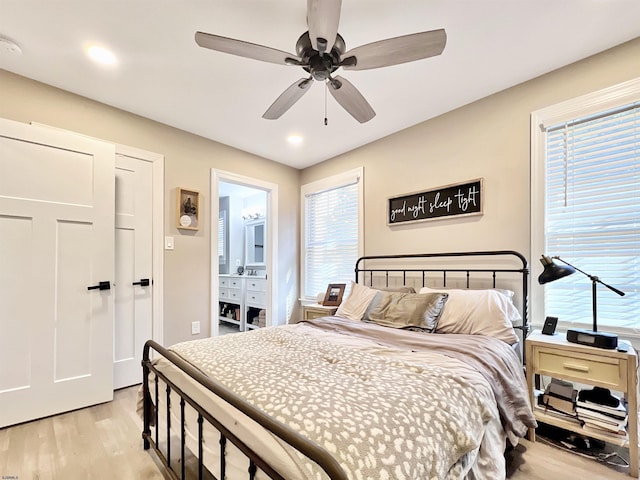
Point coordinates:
[[357, 302], [477, 312]]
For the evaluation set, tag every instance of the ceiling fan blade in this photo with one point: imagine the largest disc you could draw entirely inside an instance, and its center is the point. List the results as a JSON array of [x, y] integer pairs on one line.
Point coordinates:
[[287, 98], [394, 51], [351, 99], [245, 49], [323, 17]]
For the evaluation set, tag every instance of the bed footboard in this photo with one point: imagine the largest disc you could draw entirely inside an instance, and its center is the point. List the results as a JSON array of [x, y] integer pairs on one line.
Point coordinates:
[[255, 462]]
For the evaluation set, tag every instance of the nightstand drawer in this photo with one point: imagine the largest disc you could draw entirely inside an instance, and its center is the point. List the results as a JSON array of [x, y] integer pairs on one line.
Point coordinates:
[[309, 312], [605, 370]]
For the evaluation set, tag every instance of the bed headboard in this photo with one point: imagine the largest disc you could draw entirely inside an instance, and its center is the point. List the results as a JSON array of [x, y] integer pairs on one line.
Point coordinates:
[[485, 269]]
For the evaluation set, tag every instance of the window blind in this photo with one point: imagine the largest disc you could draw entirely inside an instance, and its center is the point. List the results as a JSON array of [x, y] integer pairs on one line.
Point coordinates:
[[221, 236], [592, 215], [331, 237]]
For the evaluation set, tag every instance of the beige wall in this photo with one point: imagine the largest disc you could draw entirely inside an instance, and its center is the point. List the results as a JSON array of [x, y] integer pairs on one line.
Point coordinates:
[[188, 160], [489, 139]]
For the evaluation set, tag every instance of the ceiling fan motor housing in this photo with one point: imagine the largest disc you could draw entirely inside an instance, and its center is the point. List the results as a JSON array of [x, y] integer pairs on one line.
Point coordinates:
[[320, 66]]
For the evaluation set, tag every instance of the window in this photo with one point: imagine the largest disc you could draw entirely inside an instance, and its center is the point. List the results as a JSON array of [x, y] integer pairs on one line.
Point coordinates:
[[588, 186], [331, 232], [222, 224]]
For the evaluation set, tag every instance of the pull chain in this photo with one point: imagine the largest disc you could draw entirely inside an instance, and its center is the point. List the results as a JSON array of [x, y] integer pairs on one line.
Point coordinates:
[[326, 87]]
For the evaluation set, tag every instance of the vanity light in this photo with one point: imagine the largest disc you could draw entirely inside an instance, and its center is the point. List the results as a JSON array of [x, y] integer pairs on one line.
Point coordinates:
[[101, 55], [251, 215]]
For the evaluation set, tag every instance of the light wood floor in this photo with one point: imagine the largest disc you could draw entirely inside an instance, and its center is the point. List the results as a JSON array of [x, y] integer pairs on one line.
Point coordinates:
[[104, 442]]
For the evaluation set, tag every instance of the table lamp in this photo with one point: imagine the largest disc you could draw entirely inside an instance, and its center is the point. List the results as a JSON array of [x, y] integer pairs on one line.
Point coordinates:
[[553, 271]]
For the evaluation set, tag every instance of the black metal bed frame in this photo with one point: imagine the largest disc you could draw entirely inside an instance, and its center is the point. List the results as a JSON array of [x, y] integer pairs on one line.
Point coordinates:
[[317, 454], [468, 271]]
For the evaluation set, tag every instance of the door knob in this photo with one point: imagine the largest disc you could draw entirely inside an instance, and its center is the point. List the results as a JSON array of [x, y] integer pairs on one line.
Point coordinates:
[[101, 286], [144, 282]]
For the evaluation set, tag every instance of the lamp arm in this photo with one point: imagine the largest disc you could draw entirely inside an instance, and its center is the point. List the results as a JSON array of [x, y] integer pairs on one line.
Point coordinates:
[[593, 278], [613, 289]]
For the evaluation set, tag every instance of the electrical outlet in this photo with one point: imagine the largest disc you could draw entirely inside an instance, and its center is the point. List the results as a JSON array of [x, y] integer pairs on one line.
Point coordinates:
[[195, 328]]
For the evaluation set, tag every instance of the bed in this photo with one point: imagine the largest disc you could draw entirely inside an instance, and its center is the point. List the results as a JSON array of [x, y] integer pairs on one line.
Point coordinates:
[[418, 375]]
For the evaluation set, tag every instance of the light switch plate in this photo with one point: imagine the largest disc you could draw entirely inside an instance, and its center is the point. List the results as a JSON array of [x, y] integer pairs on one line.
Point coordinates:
[[195, 328], [168, 243]]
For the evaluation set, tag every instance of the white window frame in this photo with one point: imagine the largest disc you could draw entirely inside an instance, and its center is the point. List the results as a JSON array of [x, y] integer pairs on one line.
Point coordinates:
[[346, 178], [585, 105]]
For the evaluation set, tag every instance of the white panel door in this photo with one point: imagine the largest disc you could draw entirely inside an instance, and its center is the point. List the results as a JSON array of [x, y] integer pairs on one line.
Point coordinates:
[[56, 241], [134, 249]]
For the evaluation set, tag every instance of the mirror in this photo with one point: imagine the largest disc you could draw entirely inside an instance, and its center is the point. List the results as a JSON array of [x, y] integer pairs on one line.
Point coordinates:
[[255, 237]]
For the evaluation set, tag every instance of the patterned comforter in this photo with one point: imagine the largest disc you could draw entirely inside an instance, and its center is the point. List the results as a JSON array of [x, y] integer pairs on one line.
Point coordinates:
[[380, 400]]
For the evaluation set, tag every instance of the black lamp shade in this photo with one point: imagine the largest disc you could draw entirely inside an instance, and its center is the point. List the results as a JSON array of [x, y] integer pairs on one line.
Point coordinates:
[[552, 271]]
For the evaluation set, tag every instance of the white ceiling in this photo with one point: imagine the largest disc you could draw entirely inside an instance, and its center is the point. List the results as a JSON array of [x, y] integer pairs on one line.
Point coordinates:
[[163, 75]]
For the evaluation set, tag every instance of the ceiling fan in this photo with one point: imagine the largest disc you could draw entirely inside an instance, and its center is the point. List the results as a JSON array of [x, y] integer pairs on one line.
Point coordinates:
[[321, 51]]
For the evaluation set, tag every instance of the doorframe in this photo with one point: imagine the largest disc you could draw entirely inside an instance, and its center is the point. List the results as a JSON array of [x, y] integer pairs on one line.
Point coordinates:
[[271, 190], [157, 228]]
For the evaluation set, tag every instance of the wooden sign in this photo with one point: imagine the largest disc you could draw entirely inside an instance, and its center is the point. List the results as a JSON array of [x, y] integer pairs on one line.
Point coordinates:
[[444, 202]]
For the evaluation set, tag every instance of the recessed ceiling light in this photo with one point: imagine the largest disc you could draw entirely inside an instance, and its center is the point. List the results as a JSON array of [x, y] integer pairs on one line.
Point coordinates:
[[295, 139], [101, 55]]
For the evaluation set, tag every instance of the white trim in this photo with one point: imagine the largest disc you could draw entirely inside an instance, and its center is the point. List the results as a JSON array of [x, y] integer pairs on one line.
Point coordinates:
[[272, 241], [589, 104], [334, 181], [355, 175]]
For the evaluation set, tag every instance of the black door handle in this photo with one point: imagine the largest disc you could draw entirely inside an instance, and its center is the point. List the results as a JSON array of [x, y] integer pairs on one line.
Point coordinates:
[[144, 282], [101, 286]]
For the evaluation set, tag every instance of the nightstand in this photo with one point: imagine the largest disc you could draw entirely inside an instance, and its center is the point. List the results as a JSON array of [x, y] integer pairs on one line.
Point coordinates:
[[316, 310], [553, 356]]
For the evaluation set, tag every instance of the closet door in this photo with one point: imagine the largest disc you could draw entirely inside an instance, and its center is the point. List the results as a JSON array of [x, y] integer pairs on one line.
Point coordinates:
[[134, 269], [57, 267]]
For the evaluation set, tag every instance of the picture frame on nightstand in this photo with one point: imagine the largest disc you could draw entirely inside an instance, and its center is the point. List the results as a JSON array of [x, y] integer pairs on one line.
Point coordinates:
[[333, 296]]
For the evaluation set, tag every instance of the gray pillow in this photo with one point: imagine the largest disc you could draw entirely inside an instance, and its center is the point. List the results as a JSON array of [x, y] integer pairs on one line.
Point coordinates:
[[406, 310]]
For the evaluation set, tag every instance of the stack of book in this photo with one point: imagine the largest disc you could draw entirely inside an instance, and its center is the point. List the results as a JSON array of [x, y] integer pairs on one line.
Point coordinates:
[[607, 419], [559, 400]]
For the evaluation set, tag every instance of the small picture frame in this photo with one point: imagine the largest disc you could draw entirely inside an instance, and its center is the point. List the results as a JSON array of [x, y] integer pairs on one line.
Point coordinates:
[[333, 296], [188, 210]]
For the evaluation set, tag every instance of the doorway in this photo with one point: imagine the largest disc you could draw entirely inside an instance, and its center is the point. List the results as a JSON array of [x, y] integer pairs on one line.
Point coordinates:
[[243, 254]]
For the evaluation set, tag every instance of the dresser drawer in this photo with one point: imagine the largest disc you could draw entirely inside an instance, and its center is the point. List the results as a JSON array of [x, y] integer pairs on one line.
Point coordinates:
[[230, 295], [256, 299], [608, 371], [224, 282], [256, 284], [235, 295]]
